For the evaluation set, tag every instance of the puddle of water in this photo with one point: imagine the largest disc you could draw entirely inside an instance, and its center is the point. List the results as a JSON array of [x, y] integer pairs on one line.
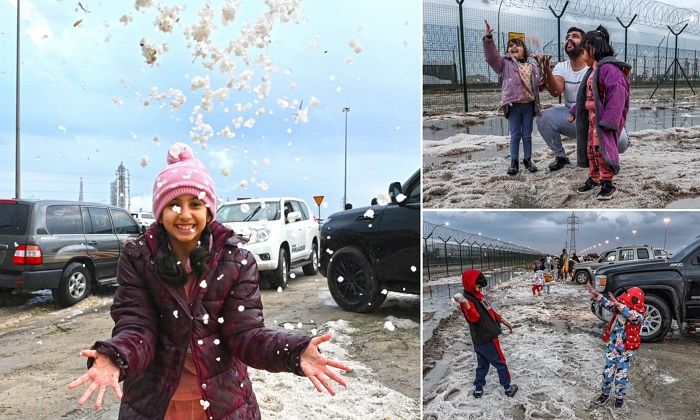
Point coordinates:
[[661, 116], [685, 203]]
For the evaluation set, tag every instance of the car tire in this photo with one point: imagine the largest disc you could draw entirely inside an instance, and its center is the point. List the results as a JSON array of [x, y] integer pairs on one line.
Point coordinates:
[[280, 277], [657, 321], [75, 285], [312, 268], [582, 277], [359, 290]]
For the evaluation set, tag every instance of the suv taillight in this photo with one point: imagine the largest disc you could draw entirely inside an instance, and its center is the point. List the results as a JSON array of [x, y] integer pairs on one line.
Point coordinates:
[[27, 254]]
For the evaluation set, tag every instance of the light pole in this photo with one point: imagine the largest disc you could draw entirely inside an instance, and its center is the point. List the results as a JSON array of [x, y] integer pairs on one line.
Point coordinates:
[[17, 149], [345, 179], [666, 222], [498, 25], [634, 236]]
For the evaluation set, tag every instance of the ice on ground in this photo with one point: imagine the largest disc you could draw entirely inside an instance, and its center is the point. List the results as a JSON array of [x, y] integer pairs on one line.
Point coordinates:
[[402, 322], [659, 167]]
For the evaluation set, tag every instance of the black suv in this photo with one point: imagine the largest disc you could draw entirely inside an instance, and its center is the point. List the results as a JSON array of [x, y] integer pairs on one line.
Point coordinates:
[[66, 246], [671, 288], [369, 251]]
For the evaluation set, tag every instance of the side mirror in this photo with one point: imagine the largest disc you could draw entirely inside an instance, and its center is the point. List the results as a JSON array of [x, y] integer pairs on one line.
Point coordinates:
[[394, 191], [293, 216], [143, 228], [348, 206]]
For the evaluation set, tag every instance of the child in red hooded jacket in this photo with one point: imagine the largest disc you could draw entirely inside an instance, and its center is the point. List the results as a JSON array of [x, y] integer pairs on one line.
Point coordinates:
[[622, 336], [484, 326]]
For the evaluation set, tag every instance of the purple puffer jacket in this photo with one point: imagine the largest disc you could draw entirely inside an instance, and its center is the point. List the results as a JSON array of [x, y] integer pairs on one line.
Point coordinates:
[[612, 101], [154, 327], [512, 87]]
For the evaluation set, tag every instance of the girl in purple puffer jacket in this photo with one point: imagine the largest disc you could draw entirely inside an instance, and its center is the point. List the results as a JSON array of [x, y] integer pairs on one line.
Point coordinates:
[[601, 109], [188, 315], [520, 95]]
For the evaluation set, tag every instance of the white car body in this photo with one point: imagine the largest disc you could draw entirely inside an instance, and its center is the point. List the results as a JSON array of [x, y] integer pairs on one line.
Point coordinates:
[[269, 230], [144, 218]]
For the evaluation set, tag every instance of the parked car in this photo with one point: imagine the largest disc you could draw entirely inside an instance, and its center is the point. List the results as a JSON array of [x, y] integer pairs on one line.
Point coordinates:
[[66, 246], [661, 254], [145, 219], [585, 271], [671, 288], [282, 234], [369, 251]]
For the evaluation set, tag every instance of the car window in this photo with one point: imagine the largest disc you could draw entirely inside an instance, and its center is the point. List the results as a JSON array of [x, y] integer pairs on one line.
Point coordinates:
[[611, 257], [287, 209], [123, 223], [249, 212], [14, 218], [148, 216], [626, 254], [642, 254], [100, 221], [413, 193], [63, 220], [297, 206]]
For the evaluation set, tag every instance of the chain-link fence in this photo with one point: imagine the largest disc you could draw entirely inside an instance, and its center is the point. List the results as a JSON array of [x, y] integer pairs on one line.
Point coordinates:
[[443, 73], [448, 252]]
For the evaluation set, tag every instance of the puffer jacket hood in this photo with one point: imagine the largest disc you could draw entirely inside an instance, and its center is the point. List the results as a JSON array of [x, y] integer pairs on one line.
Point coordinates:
[[469, 278], [634, 299]]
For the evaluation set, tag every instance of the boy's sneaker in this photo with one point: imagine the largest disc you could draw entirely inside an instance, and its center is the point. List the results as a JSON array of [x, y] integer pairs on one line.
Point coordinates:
[[559, 163], [589, 185], [529, 165], [478, 393], [607, 189], [511, 392], [602, 399], [513, 170], [619, 402]]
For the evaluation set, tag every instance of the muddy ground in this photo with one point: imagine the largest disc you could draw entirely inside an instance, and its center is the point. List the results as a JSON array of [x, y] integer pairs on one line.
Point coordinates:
[[556, 356], [40, 347]]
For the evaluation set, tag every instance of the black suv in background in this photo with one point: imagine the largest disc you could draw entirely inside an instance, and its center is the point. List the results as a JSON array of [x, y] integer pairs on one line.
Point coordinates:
[[66, 246], [368, 251]]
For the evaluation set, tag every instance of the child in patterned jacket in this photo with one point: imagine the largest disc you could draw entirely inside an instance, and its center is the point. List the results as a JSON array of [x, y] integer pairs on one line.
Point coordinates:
[[538, 283], [622, 336]]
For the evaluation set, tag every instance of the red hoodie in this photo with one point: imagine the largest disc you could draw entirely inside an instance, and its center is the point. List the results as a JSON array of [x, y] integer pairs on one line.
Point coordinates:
[[469, 278]]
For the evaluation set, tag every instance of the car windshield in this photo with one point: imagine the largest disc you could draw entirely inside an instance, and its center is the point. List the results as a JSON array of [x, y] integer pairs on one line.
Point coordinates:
[[13, 218], [255, 211], [683, 252]]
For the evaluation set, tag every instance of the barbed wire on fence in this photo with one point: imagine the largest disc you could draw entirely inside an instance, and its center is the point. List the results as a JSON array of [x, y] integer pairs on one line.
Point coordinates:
[[447, 248]]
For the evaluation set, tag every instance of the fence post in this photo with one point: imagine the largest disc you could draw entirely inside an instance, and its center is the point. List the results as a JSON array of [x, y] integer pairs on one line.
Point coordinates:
[[628, 25], [462, 53], [427, 257], [558, 16]]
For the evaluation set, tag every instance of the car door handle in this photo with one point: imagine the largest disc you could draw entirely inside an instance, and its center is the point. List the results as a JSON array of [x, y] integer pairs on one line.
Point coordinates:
[[92, 242]]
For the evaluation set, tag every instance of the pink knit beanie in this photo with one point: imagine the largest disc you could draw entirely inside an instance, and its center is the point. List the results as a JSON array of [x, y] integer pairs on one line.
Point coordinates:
[[185, 174]]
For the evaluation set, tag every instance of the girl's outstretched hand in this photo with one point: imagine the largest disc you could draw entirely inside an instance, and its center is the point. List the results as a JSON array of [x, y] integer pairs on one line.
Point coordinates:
[[489, 29], [102, 374], [316, 367]]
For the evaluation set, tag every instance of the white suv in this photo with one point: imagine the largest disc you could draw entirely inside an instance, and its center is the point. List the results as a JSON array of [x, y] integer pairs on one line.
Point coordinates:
[[282, 234], [145, 219]]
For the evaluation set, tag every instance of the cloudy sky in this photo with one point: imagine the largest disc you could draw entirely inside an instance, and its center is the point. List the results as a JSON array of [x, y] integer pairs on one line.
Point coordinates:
[[547, 230], [90, 100]]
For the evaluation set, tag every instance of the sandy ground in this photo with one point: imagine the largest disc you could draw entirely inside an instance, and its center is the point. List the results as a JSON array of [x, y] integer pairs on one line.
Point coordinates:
[[555, 355], [659, 167], [40, 346]]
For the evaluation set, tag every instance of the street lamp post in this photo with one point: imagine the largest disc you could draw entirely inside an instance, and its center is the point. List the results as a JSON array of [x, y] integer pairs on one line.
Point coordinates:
[[345, 178], [634, 236], [666, 222], [17, 142], [498, 25]]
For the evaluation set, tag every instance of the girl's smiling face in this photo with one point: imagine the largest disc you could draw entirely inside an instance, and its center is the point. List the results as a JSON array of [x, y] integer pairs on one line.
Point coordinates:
[[184, 218]]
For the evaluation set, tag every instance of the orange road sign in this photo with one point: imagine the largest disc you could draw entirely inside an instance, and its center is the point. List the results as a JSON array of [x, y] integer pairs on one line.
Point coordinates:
[[318, 199]]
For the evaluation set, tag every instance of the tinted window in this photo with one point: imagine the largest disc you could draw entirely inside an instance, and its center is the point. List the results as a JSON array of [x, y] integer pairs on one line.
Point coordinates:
[[642, 254], [626, 254], [413, 194], [287, 209], [100, 220], [123, 223], [611, 257], [249, 212], [62, 220], [14, 218], [297, 206]]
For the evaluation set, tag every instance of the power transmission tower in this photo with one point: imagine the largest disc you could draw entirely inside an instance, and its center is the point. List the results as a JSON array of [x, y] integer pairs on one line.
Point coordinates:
[[80, 196], [572, 224], [121, 189]]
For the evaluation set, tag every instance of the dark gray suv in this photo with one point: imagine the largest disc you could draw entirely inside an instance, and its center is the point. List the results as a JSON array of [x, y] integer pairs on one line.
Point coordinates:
[[66, 246]]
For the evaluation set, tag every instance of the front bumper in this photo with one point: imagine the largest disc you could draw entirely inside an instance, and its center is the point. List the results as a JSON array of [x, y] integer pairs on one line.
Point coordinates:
[[265, 257], [31, 280]]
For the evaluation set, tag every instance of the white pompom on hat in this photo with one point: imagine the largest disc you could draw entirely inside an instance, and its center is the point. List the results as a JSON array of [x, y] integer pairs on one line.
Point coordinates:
[[184, 175]]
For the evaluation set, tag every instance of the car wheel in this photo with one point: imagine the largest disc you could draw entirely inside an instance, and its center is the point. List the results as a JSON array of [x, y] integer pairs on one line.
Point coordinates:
[[582, 277], [352, 282], [657, 321], [281, 275], [75, 285], [312, 268]]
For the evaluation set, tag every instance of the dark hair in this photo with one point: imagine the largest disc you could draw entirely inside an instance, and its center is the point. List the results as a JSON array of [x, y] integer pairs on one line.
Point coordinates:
[[599, 41], [167, 266], [576, 29], [518, 41]]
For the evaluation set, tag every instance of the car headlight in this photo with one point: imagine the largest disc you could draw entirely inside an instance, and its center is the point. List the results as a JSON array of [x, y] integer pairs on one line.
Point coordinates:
[[601, 281], [259, 235]]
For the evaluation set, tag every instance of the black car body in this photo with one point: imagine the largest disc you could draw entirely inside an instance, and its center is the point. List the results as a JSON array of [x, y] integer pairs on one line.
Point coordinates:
[[671, 288], [369, 251], [66, 246]]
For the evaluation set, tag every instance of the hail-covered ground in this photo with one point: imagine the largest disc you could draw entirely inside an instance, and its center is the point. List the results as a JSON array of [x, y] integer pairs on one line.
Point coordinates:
[[469, 170], [555, 355]]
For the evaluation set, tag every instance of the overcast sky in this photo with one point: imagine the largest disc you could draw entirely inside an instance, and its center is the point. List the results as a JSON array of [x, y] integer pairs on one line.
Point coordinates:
[[86, 105], [547, 230]]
